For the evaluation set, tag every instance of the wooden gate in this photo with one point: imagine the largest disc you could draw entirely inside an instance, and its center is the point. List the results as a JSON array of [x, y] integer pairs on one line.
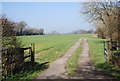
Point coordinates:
[[13, 59]]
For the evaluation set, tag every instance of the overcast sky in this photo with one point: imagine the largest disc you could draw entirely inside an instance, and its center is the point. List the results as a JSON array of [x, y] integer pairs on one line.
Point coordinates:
[[63, 17]]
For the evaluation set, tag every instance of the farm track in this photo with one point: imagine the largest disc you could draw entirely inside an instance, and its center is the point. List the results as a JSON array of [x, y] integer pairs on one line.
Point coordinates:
[[56, 69], [86, 70]]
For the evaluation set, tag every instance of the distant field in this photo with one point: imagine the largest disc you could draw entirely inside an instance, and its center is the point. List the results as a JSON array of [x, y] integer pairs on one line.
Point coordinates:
[[50, 47], [45, 42]]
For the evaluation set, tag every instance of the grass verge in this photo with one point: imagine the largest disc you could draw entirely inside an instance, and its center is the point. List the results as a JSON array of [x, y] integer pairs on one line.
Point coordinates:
[[72, 63]]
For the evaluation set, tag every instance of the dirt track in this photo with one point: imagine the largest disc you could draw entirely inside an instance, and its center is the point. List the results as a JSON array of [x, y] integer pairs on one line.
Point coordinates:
[[86, 70], [57, 68]]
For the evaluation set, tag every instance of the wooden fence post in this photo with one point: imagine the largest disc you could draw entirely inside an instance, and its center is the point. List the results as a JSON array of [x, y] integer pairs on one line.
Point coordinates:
[[32, 52]]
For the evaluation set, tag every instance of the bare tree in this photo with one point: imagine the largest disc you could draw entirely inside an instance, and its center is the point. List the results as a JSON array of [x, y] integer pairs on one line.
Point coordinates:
[[105, 13]]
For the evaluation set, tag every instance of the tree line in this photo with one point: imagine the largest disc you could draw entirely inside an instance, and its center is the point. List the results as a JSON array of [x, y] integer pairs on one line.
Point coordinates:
[[83, 31], [10, 29], [21, 28]]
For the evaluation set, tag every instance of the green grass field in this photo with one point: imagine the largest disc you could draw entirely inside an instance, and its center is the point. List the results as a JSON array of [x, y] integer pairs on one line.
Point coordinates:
[[50, 47], [46, 42]]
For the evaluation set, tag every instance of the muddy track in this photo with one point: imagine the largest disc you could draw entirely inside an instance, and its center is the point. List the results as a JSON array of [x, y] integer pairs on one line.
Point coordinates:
[[56, 69]]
